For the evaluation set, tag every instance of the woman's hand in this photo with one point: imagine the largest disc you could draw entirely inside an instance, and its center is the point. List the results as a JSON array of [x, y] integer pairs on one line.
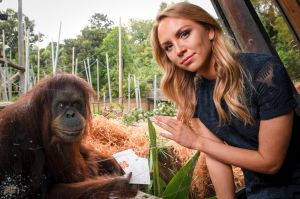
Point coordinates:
[[191, 137], [178, 132]]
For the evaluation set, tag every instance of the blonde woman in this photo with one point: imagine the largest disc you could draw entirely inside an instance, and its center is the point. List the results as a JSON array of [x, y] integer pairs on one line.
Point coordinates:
[[241, 105]]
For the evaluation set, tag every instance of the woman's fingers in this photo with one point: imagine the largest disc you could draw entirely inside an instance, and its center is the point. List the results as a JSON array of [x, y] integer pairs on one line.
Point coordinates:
[[176, 131], [160, 123], [164, 123], [167, 119], [168, 124], [166, 135]]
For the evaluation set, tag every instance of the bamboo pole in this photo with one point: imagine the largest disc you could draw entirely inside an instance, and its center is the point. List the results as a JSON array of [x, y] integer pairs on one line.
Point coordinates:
[[21, 47], [89, 71], [108, 78], [3, 95], [86, 73], [27, 63], [4, 71], [120, 65], [38, 59], [139, 94], [53, 59], [57, 48], [76, 66], [104, 101], [73, 61], [128, 92], [98, 82], [136, 92]]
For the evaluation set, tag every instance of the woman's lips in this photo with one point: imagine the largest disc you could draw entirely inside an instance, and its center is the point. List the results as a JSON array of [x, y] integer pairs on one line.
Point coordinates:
[[187, 60]]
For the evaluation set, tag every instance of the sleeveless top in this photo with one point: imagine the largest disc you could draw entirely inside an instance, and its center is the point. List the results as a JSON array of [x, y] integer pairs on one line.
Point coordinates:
[[270, 95]]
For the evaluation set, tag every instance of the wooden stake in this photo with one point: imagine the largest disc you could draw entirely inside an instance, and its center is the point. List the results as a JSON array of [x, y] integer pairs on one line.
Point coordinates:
[[108, 78], [120, 65]]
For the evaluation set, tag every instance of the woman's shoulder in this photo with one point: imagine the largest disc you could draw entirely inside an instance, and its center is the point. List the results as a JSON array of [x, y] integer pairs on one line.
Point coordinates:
[[257, 63], [256, 59]]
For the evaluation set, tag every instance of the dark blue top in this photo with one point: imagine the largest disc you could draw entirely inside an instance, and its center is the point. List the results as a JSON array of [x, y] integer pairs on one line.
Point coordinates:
[[270, 96]]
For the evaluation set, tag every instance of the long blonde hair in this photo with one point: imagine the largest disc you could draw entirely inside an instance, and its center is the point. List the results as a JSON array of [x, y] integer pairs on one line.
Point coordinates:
[[179, 85]]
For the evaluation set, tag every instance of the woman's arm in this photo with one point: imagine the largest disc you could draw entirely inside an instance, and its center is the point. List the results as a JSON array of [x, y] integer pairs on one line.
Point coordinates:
[[222, 178], [274, 137], [221, 174]]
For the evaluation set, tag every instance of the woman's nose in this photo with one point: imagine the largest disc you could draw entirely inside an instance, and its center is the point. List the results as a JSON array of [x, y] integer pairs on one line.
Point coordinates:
[[180, 49]]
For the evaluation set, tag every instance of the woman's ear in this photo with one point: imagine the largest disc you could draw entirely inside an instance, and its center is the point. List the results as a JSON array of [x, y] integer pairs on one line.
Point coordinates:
[[211, 33]]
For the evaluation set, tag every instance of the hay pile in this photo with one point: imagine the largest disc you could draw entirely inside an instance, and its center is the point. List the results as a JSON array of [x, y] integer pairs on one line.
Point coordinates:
[[110, 136]]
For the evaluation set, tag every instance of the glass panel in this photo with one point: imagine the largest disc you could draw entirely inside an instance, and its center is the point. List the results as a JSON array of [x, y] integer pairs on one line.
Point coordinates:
[[281, 36]]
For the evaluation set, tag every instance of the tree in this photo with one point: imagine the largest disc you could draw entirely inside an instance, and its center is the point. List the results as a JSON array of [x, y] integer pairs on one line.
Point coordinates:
[[141, 50], [86, 45], [10, 27], [280, 35], [101, 21]]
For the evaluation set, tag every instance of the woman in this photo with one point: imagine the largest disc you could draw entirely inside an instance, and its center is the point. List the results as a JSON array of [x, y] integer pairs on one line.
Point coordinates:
[[242, 103]]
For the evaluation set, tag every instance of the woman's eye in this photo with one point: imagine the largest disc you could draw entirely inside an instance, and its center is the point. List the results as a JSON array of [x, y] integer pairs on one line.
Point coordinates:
[[168, 47], [184, 34]]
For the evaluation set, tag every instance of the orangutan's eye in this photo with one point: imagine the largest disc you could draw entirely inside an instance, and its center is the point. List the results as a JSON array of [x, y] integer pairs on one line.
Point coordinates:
[[60, 105]]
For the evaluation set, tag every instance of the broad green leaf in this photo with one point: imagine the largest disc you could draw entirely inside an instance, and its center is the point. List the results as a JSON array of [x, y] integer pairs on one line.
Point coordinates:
[[179, 186]]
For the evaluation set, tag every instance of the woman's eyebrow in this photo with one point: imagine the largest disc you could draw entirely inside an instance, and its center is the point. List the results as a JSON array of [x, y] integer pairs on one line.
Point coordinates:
[[178, 32]]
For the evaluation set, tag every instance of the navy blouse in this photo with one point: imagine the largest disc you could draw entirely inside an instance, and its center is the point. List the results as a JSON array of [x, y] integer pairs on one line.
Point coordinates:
[[270, 95]]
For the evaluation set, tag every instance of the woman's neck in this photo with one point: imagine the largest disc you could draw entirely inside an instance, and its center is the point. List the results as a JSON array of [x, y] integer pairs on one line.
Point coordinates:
[[209, 70]]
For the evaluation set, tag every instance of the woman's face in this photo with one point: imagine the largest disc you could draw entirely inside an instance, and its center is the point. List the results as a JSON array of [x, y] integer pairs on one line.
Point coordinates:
[[188, 45]]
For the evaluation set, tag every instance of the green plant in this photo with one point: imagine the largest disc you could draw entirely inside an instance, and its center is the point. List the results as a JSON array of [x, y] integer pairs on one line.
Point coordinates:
[[111, 107], [165, 108], [121, 106], [179, 186], [156, 181], [135, 115]]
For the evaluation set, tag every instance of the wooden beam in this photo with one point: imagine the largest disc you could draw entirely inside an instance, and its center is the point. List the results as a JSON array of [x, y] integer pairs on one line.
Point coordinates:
[[291, 12], [245, 25], [16, 66], [13, 78]]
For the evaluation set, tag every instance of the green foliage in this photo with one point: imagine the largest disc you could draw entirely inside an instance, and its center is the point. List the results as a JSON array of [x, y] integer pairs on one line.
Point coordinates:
[[111, 107], [143, 65], [156, 181], [121, 106], [165, 108], [96, 39], [136, 115], [280, 35], [96, 109], [10, 28], [179, 186], [100, 21]]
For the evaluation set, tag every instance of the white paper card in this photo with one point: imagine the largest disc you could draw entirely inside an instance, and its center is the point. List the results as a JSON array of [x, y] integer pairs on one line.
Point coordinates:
[[139, 167]]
